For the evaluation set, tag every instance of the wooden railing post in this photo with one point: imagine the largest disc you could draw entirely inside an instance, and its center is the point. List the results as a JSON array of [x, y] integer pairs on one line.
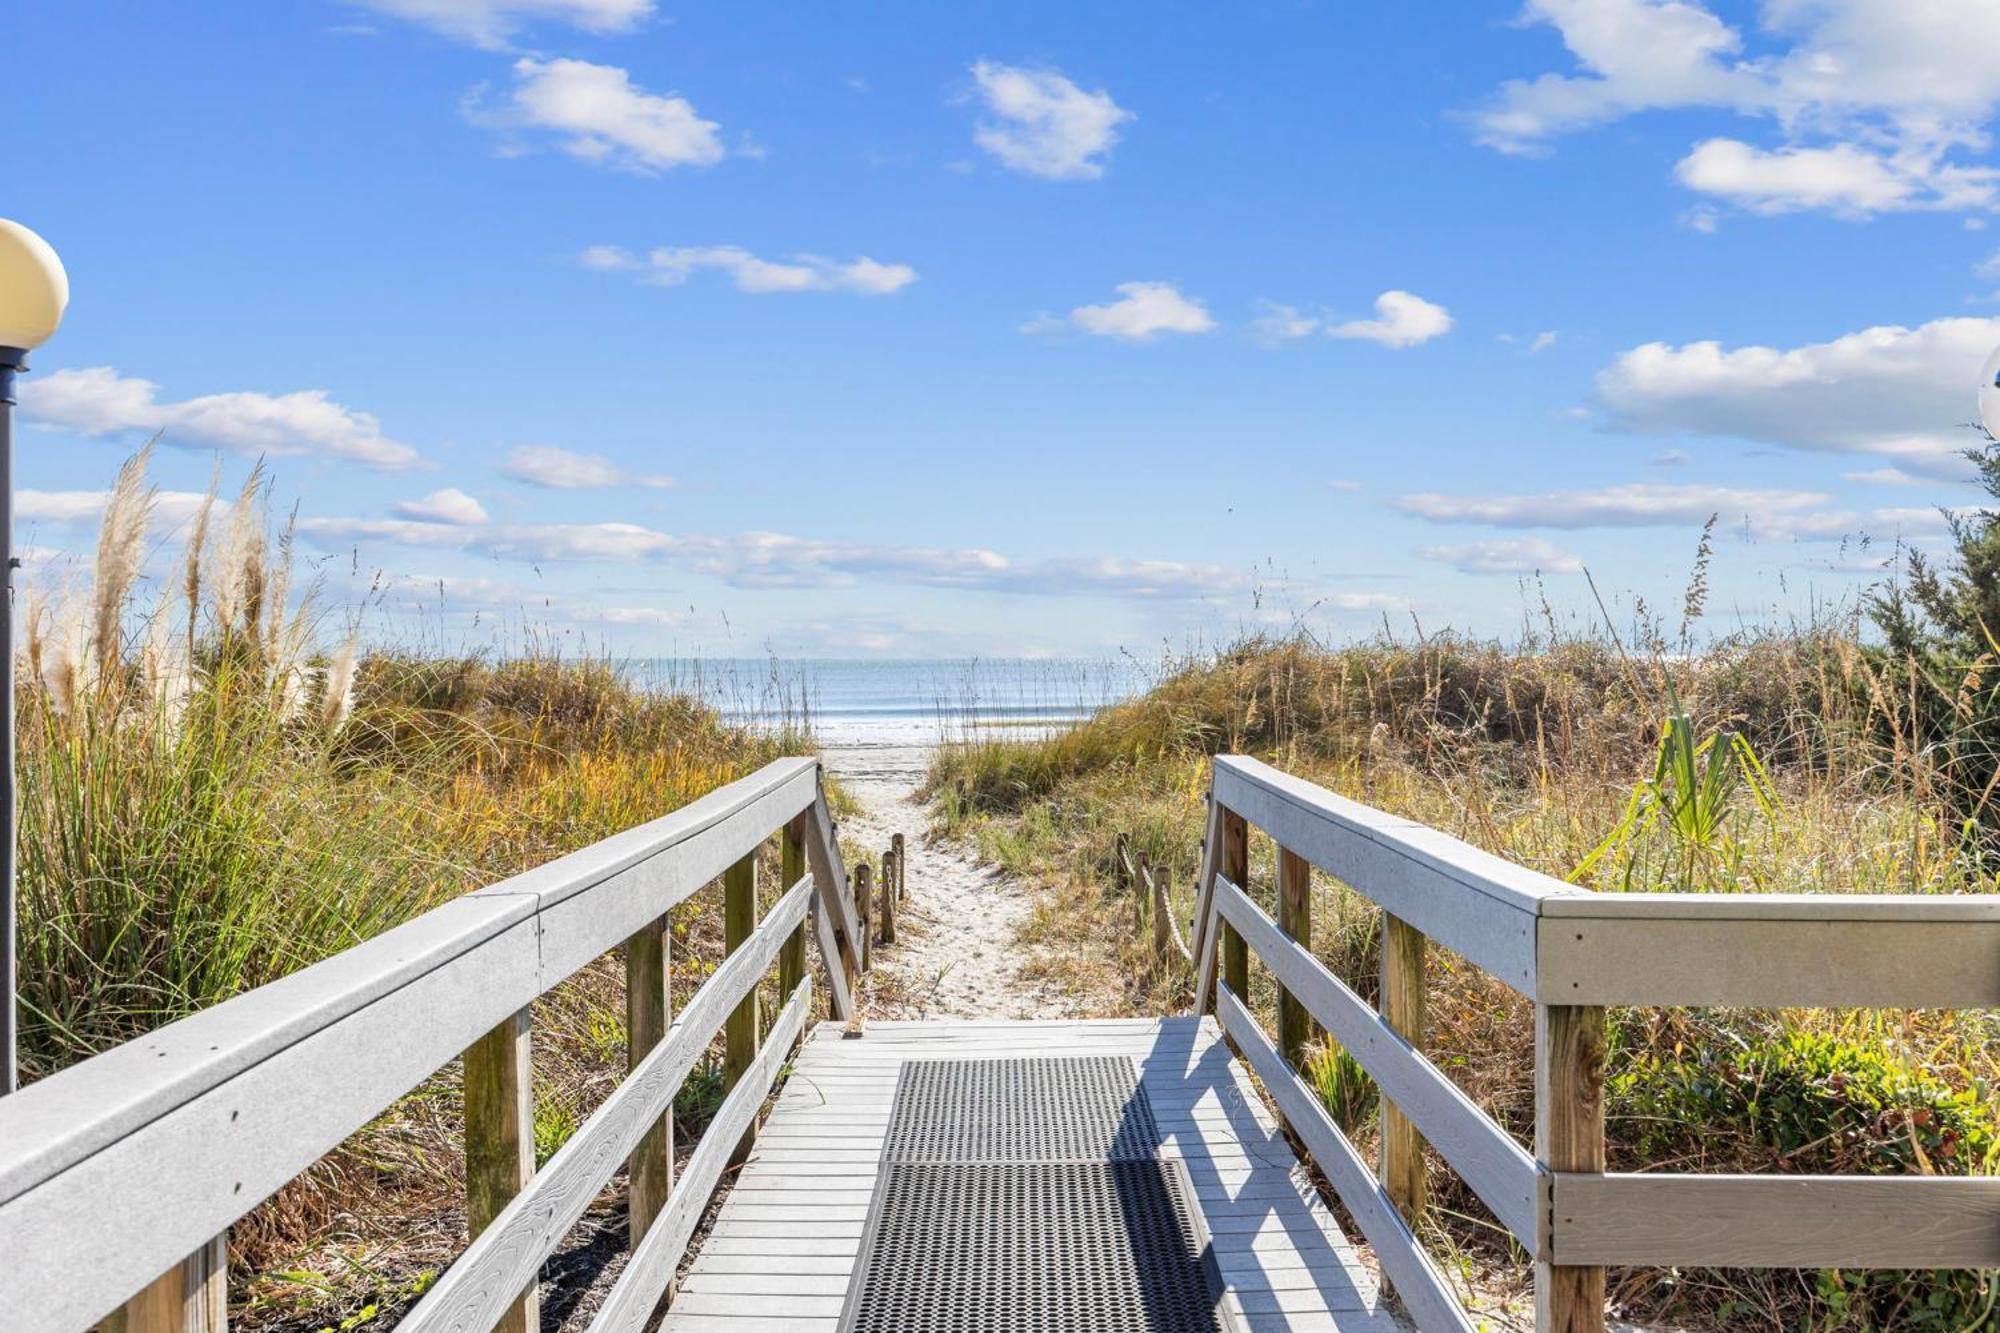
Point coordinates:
[[791, 869], [1569, 1136], [1402, 1003], [1233, 864], [1156, 892], [648, 1010], [1295, 919], [902, 868], [739, 922], [191, 1297], [863, 875], [500, 1142], [891, 870], [1142, 878]]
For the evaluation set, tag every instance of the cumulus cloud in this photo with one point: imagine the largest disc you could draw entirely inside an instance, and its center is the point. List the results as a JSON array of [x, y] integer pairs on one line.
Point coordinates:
[[170, 508], [1637, 504], [561, 470], [1526, 555], [670, 266], [99, 401], [1143, 311], [1875, 102], [1402, 320], [600, 116], [449, 505], [1043, 124], [492, 23], [1891, 391]]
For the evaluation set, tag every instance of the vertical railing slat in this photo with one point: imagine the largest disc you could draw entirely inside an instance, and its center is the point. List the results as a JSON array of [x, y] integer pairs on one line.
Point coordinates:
[[739, 922], [1295, 919], [648, 1011], [1569, 1136], [500, 1141], [1403, 1003]]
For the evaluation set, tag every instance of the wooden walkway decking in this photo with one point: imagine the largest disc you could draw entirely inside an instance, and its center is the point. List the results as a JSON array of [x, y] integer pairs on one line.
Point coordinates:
[[784, 1248]]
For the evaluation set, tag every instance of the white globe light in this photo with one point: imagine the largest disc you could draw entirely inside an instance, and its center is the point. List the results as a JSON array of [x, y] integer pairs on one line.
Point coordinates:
[[33, 288], [1989, 395]]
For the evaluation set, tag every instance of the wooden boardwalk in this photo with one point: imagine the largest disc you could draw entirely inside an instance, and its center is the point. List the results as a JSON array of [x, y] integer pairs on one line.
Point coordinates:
[[784, 1247]]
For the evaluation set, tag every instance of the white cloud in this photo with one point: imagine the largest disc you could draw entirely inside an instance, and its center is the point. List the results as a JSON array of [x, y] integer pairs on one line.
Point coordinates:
[[1542, 341], [1637, 504], [99, 401], [561, 470], [1882, 476], [170, 508], [1279, 324], [1892, 391], [1670, 458], [1143, 311], [1892, 92], [670, 266], [602, 117], [1527, 555], [449, 505], [492, 23], [1842, 178], [1043, 124], [1403, 320]]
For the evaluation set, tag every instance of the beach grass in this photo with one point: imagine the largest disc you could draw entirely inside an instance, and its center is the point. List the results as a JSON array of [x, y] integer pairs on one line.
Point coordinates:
[[1589, 761]]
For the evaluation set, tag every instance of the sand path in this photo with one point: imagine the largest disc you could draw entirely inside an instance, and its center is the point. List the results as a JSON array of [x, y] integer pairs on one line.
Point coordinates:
[[956, 954]]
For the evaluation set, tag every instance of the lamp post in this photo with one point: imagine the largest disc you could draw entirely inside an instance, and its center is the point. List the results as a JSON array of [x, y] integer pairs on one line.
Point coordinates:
[[33, 291]]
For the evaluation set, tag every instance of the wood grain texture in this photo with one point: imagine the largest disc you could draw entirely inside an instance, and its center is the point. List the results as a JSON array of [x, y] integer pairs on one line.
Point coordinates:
[[1233, 864], [1423, 1289], [791, 869], [1204, 882], [1496, 1168], [1295, 919], [473, 1291], [890, 871], [739, 1031], [1403, 1002], [191, 1297], [646, 1276], [500, 1144], [650, 1168], [823, 854], [1569, 1137], [1777, 1221], [864, 912]]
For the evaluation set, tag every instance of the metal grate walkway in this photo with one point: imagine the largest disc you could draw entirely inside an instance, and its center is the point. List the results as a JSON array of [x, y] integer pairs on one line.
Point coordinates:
[[1195, 1156]]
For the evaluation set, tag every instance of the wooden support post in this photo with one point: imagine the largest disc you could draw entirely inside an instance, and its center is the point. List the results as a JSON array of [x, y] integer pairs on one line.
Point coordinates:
[[1295, 919], [739, 1030], [648, 1010], [191, 1297], [1121, 854], [1569, 1136], [791, 869], [1402, 1004], [1142, 879], [500, 1142], [1163, 940], [863, 876], [890, 871], [1233, 864], [902, 868]]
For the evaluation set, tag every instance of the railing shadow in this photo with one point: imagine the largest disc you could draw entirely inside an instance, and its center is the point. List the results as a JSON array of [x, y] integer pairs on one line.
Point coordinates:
[[1177, 1076]]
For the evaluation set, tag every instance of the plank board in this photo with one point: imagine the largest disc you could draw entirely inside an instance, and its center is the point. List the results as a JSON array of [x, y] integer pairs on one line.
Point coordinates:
[[787, 1240]]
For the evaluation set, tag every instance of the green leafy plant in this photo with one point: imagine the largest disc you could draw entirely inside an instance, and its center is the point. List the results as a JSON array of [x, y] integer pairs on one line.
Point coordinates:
[[1691, 794], [1342, 1084]]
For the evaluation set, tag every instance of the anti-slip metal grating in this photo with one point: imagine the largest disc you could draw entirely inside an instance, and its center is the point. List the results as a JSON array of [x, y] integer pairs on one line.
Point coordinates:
[[1088, 1109], [1028, 1196]]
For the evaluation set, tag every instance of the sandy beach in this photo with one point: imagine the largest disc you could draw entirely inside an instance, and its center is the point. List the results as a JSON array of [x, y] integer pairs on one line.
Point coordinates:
[[956, 953]]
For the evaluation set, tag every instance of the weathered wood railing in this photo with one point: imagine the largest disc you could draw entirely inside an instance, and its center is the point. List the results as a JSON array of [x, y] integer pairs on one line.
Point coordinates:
[[1571, 952], [115, 1171]]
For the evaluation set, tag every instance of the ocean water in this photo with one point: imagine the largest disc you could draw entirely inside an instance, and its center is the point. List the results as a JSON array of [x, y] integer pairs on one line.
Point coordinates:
[[901, 702]]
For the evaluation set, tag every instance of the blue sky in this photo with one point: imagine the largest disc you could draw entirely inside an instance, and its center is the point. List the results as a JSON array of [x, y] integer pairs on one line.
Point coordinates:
[[914, 329]]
